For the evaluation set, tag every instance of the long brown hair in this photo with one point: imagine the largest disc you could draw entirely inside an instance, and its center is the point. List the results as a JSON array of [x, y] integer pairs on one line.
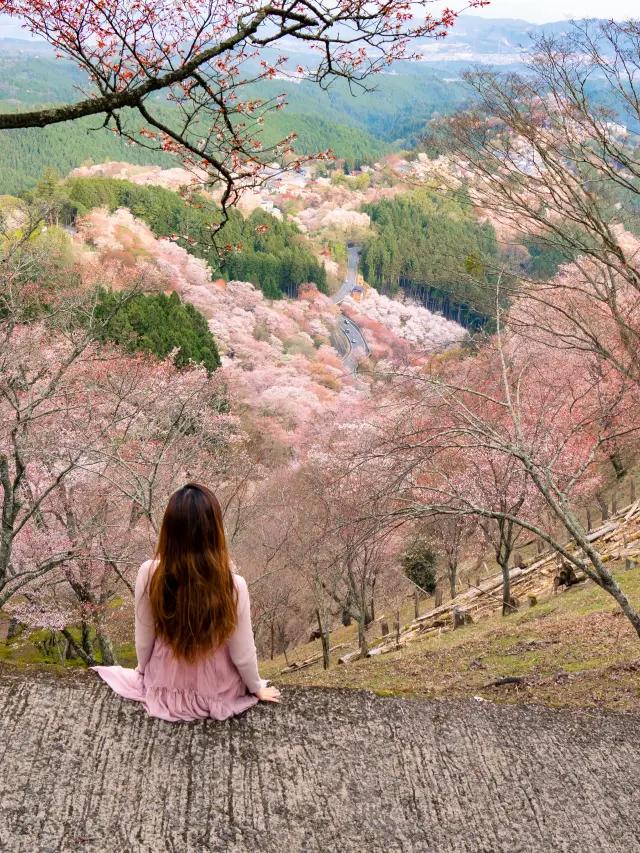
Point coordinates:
[[192, 593]]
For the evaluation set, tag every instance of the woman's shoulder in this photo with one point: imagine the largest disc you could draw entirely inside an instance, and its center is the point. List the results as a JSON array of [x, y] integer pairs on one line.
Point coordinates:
[[147, 569], [242, 589], [240, 583]]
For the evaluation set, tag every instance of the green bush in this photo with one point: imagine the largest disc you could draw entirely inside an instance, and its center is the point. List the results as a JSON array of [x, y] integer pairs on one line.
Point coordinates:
[[419, 564]]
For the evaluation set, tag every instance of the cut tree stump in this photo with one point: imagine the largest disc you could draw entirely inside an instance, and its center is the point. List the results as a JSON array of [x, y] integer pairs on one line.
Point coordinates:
[[460, 618]]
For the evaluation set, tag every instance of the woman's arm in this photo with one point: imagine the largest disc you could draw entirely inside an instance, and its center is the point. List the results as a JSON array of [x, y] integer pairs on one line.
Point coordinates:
[[241, 644], [145, 629]]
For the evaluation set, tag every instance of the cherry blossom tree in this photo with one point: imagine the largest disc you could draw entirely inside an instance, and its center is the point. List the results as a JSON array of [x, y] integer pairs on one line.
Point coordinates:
[[92, 442], [105, 544], [268, 554], [202, 57], [552, 164], [357, 543], [515, 437], [451, 536]]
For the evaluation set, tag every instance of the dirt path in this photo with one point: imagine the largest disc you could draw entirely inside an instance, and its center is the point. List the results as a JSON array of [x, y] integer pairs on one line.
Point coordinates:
[[325, 772]]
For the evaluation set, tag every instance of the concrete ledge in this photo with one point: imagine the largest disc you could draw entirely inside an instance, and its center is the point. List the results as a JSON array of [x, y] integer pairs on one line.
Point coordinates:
[[325, 772]]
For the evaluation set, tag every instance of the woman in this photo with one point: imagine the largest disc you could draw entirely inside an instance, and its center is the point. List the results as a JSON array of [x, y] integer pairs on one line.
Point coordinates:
[[194, 642]]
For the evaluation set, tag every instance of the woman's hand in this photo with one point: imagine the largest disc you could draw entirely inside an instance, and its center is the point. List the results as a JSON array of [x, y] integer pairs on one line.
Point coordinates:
[[268, 694]]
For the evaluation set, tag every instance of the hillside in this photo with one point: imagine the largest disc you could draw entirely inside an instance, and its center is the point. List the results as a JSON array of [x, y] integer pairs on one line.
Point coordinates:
[[26, 153], [353, 124], [564, 649], [277, 356]]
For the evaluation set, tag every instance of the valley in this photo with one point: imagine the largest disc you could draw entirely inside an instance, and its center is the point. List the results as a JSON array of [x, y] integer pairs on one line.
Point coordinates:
[[332, 311]]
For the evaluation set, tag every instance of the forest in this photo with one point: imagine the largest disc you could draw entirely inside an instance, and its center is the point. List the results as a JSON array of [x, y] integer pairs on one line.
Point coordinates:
[[158, 324], [275, 258], [434, 248], [369, 125]]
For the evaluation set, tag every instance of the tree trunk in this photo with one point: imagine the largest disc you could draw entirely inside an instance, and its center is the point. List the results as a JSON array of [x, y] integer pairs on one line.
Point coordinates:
[[609, 584], [89, 660], [324, 639], [362, 637], [14, 628], [452, 580], [618, 465], [62, 648], [632, 489], [416, 603], [87, 645], [273, 640], [506, 588], [602, 503], [107, 653]]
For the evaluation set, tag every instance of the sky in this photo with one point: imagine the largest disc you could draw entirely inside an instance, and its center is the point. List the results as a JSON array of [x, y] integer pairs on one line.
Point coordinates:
[[546, 11], [534, 11]]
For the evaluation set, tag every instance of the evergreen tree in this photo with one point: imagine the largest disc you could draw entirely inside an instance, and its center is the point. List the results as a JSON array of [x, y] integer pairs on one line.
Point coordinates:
[[159, 324], [418, 562]]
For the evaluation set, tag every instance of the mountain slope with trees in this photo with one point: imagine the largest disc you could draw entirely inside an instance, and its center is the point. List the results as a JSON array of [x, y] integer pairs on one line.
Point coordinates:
[[369, 125], [434, 248], [274, 255]]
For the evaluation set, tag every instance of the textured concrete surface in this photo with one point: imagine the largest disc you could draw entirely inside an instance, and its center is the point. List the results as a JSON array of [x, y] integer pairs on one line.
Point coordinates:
[[324, 772]]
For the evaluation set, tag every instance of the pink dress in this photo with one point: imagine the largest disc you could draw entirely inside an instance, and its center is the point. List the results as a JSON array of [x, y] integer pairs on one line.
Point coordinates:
[[217, 686]]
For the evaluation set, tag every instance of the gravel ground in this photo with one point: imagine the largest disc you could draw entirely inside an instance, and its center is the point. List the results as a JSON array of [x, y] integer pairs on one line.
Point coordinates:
[[83, 771]]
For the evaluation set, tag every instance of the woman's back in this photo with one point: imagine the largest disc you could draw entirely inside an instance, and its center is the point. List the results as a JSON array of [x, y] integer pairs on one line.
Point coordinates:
[[211, 686], [194, 640]]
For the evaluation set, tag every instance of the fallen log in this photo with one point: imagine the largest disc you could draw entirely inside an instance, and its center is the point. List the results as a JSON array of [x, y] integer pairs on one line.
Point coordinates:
[[295, 666], [383, 650], [632, 510], [602, 531], [509, 679], [350, 656]]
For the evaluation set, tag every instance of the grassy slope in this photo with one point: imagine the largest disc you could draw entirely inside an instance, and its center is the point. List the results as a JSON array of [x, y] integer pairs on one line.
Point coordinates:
[[575, 649]]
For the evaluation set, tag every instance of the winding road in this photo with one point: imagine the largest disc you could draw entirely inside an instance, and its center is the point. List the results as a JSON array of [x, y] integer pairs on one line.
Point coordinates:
[[326, 771], [357, 344]]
